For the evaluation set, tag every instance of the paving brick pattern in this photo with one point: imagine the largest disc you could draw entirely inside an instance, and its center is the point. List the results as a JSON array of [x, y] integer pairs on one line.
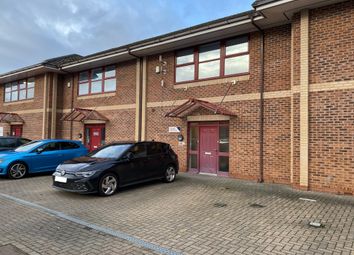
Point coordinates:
[[194, 215]]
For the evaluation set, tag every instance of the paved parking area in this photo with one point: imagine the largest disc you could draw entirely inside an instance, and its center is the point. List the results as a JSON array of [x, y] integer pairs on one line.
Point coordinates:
[[194, 215]]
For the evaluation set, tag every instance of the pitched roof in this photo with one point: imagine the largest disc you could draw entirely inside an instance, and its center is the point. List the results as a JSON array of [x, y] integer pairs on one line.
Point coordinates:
[[58, 61], [52, 62]]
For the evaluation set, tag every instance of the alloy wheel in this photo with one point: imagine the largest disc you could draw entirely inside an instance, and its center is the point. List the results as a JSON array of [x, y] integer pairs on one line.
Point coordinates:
[[17, 170], [170, 174], [109, 185]]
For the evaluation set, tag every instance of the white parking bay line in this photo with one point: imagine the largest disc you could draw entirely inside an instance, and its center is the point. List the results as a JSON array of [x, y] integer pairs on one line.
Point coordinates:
[[134, 240]]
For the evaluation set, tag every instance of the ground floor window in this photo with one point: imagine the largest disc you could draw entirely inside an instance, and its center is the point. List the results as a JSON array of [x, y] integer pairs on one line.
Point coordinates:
[[208, 147], [94, 136]]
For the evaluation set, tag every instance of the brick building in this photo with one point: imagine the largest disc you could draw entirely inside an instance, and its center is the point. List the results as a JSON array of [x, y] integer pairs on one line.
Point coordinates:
[[265, 95]]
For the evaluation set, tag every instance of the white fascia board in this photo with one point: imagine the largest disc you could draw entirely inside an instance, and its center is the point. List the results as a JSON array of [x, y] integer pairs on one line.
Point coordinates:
[[270, 5], [95, 59]]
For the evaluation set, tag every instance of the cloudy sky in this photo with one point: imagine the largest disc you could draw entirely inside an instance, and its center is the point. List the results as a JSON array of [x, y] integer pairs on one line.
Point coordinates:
[[31, 31]]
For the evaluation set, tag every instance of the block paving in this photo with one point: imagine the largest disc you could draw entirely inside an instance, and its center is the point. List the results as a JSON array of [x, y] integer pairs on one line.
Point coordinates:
[[194, 215]]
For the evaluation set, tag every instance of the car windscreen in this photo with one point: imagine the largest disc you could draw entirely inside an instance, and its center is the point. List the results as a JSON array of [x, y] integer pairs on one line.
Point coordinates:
[[8, 142], [113, 151], [28, 146]]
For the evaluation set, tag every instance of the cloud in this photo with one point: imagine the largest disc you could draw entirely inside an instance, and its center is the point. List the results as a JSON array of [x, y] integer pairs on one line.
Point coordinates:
[[32, 31]]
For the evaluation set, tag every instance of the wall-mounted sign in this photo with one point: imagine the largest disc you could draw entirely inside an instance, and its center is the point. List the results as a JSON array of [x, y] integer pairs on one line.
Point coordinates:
[[1, 131], [174, 129]]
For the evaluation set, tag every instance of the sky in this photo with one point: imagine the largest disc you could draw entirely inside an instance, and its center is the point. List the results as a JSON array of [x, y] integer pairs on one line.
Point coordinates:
[[35, 30]]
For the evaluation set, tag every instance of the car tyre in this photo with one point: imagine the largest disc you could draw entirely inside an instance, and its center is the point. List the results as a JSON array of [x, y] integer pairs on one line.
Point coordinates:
[[108, 184], [17, 170], [170, 174]]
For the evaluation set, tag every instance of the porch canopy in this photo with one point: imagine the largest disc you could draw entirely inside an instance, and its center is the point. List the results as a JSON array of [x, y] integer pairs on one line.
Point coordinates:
[[81, 115], [192, 104], [10, 117]]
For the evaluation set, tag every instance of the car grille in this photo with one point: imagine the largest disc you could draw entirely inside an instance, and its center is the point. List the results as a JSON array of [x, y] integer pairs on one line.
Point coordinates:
[[73, 186]]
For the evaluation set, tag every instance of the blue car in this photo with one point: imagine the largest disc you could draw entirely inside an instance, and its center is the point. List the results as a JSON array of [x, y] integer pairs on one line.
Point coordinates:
[[39, 156]]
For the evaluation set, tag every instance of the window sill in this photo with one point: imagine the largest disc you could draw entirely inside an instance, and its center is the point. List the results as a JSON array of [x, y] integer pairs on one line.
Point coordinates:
[[18, 102], [110, 94], [211, 82]]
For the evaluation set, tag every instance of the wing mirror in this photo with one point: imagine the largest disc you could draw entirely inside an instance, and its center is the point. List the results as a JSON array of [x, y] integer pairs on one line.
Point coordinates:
[[129, 156]]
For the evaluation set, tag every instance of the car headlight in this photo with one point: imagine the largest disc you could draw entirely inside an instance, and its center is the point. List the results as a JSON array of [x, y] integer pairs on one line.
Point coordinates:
[[85, 174]]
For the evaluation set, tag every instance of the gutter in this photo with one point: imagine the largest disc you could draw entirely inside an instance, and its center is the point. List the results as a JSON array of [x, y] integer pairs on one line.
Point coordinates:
[[261, 105]]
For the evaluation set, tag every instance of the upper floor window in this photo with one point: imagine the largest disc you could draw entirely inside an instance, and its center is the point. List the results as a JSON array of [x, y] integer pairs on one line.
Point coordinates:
[[213, 60], [98, 80], [19, 90]]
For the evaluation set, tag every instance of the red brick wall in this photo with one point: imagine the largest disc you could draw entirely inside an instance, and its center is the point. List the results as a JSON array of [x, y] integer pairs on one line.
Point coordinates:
[[32, 127], [121, 124], [277, 50], [277, 140], [332, 43], [332, 141]]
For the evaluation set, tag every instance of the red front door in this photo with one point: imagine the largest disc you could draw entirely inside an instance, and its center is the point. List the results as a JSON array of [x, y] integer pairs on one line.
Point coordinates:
[[16, 130], [94, 136], [208, 149]]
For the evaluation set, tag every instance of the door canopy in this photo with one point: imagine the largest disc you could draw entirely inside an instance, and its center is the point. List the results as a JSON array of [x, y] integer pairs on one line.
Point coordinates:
[[192, 104], [81, 115], [10, 117]]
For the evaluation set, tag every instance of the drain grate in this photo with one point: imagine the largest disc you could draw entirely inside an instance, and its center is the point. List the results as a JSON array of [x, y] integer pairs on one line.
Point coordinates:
[[220, 205], [257, 205]]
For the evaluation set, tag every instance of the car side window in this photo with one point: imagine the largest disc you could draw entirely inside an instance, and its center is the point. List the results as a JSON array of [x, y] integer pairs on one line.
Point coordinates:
[[52, 146], [139, 150], [154, 148], [23, 141], [68, 145]]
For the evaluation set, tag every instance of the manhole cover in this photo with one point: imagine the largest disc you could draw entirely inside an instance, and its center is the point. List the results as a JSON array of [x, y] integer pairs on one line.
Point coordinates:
[[9, 249], [257, 205], [219, 205]]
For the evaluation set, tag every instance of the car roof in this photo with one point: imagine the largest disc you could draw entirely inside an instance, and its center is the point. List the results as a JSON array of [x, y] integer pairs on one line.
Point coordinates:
[[16, 137], [57, 140]]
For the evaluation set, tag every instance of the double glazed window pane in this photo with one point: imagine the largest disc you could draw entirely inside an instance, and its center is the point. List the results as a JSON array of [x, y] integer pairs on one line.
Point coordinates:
[[7, 96], [236, 46], [14, 95], [237, 65], [224, 139], [8, 87], [209, 69], [22, 84], [22, 94], [96, 74], [110, 85], [83, 89], [110, 71], [185, 73], [83, 77], [30, 83], [193, 143], [96, 87], [209, 52], [185, 56], [30, 93]]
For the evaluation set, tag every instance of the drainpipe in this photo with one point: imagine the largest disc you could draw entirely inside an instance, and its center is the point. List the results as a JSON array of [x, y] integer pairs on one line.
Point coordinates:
[[140, 98], [72, 104], [261, 105]]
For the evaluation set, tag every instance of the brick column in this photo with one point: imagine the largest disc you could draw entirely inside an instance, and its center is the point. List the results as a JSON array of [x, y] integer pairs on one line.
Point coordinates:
[[137, 100], [304, 94], [45, 106]]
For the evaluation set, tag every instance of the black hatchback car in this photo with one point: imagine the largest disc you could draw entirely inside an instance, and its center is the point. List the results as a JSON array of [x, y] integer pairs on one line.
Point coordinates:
[[12, 142], [117, 165]]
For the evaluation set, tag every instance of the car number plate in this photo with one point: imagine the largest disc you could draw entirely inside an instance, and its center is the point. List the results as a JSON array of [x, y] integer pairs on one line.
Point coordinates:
[[60, 179]]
